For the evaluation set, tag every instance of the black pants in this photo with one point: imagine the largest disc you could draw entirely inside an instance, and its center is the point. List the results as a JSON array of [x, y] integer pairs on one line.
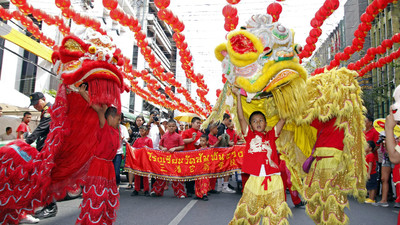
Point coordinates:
[[190, 187]]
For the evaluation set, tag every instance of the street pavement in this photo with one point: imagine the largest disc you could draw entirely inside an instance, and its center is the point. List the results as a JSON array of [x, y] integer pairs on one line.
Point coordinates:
[[169, 210]]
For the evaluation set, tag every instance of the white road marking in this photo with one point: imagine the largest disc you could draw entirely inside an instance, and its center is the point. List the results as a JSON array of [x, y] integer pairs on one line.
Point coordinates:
[[182, 213]]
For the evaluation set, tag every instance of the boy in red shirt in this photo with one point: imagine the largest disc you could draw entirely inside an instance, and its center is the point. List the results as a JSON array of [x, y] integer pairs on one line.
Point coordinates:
[[264, 194], [191, 139], [24, 127], [100, 194], [141, 142], [170, 142], [202, 185], [372, 183]]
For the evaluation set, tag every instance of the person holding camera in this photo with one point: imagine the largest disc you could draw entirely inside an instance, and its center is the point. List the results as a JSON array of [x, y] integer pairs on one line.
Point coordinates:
[[155, 129]]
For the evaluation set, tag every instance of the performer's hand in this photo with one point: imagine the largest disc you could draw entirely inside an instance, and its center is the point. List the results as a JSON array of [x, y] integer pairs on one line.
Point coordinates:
[[390, 123], [171, 150], [82, 88], [194, 136], [236, 90]]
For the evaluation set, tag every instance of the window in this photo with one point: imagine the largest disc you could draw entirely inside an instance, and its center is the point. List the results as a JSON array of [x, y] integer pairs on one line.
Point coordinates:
[[389, 28], [29, 70], [135, 56]]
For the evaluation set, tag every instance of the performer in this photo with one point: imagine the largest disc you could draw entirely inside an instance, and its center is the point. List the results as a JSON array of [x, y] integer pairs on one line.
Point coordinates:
[[202, 186], [264, 194], [170, 142], [143, 141], [100, 194], [191, 138]]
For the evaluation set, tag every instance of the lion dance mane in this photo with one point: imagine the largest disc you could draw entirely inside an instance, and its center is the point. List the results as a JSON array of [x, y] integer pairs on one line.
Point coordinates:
[[324, 112], [30, 179]]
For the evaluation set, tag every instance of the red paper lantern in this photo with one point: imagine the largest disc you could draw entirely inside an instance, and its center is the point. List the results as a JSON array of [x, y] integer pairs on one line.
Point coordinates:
[[396, 38], [62, 4], [274, 9], [229, 11], [233, 2], [162, 4], [110, 4], [218, 92], [387, 43], [315, 32], [366, 18], [316, 23]]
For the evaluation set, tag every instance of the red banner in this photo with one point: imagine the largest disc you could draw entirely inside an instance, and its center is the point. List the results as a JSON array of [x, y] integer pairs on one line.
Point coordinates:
[[186, 165]]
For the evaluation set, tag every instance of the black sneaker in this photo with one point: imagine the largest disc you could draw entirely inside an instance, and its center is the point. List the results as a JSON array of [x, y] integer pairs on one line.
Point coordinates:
[[135, 193], [301, 205], [205, 198], [146, 193], [189, 195], [153, 194], [213, 192], [48, 211]]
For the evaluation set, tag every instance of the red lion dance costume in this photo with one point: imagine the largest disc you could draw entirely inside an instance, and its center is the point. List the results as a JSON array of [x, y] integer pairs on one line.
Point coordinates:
[[30, 179]]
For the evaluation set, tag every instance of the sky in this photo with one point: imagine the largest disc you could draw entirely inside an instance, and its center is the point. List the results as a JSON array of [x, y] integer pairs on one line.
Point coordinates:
[[204, 29]]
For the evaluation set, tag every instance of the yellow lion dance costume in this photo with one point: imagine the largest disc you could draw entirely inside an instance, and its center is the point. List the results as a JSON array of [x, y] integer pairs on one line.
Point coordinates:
[[324, 118]]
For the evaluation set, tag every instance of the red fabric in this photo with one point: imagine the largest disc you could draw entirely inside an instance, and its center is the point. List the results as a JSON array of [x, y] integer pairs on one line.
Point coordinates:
[[143, 142], [202, 186], [285, 174], [370, 158], [159, 187], [169, 140], [265, 153], [245, 177], [109, 143], [212, 139], [138, 182], [100, 195], [232, 134], [189, 134], [213, 182], [23, 127], [328, 134], [396, 180], [371, 135], [185, 165]]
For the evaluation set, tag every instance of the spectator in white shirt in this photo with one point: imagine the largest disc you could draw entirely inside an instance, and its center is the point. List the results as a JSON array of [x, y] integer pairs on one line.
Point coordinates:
[[155, 129], [8, 135], [124, 134]]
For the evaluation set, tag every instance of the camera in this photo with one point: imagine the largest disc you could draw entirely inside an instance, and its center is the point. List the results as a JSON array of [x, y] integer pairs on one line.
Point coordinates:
[[381, 139], [155, 118]]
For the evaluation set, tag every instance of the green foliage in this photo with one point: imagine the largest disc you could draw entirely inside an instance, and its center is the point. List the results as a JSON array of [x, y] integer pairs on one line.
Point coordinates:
[[51, 92]]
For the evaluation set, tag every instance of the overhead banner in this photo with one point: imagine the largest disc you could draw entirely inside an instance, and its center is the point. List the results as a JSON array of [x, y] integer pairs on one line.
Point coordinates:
[[184, 165]]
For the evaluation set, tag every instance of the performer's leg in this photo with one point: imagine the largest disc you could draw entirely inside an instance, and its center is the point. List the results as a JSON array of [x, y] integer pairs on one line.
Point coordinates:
[[257, 202], [322, 189], [245, 177], [179, 189], [158, 187], [145, 184], [212, 183], [137, 183], [202, 187]]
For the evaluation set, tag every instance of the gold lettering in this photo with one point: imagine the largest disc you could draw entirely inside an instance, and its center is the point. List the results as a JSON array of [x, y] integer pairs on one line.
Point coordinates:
[[192, 167], [150, 155], [174, 161], [199, 158], [187, 159], [178, 169], [160, 159], [180, 160], [192, 161], [206, 167], [206, 158], [221, 157], [240, 154], [214, 157], [221, 165], [168, 159], [163, 168], [232, 162]]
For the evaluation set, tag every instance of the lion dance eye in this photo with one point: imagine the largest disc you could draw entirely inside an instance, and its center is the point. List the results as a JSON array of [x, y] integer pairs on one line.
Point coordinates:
[[92, 49]]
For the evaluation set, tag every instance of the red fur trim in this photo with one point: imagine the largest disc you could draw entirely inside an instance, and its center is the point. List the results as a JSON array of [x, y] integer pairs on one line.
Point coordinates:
[[105, 92]]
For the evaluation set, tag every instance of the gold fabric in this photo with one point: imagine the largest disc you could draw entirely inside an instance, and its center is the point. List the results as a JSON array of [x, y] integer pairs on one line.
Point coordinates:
[[326, 188], [257, 203]]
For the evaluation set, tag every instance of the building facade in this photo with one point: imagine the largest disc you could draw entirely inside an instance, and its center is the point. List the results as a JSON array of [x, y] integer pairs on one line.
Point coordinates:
[[25, 72], [387, 78]]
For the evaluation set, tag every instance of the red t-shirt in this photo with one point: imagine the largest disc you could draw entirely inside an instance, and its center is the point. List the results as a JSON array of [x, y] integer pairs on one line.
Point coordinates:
[[328, 134], [23, 127], [372, 135], [260, 150], [232, 134], [142, 142], [189, 134], [212, 139], [109, 142], [370, 158], [169, 140]]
